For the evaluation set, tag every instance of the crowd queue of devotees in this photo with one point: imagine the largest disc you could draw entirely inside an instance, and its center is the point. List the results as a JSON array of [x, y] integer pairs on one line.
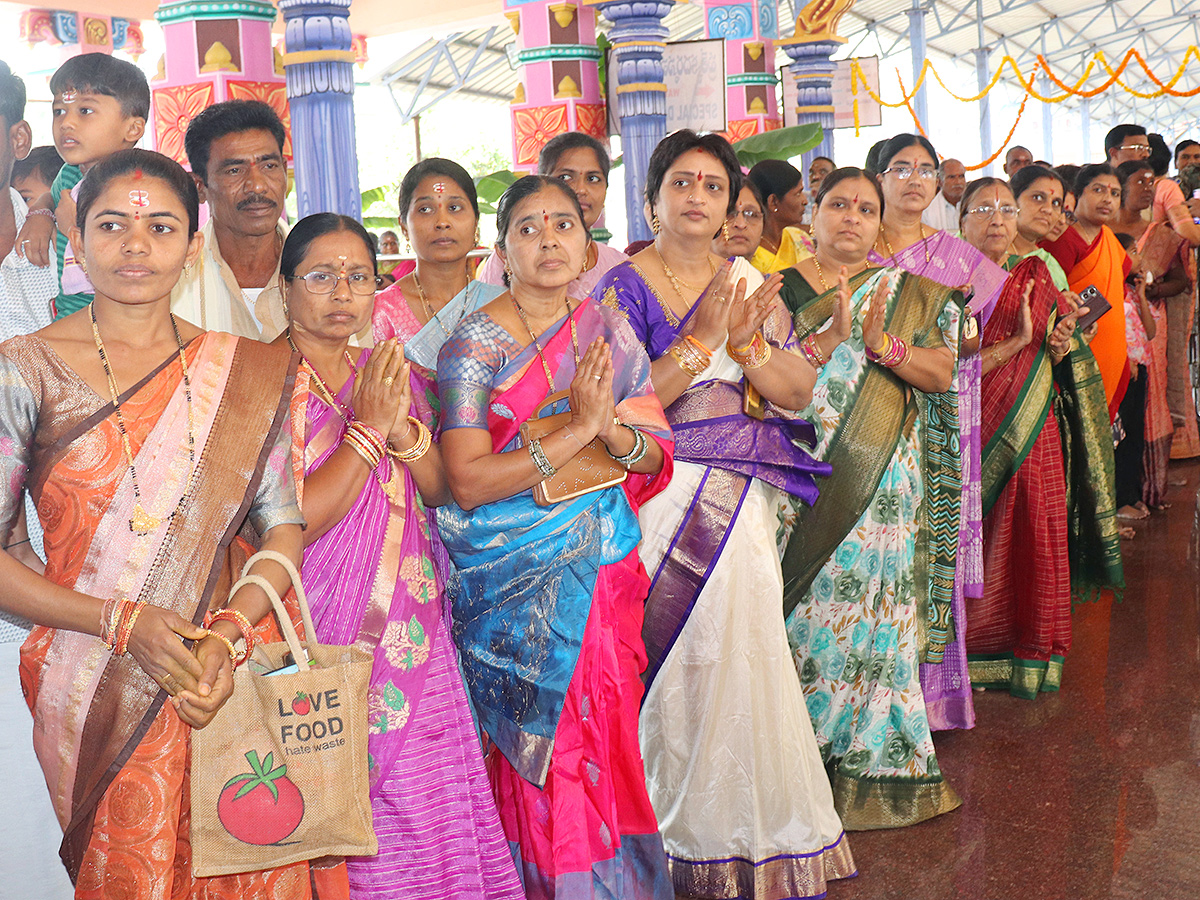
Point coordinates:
[[852, 467]]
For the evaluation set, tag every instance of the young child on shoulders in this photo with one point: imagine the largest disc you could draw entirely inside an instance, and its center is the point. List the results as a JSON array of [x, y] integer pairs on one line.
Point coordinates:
[[100, 106]]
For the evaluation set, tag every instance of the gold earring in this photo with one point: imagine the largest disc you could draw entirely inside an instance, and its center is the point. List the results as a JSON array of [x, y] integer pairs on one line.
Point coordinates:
[[655, 225], [725, 229]]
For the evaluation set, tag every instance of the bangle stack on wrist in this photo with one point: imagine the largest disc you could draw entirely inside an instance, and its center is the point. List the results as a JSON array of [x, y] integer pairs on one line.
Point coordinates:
[[417, 450], [811, 351], [243, 625], [117, 619], [693, 357], [753, 356], [541, 460], [893, 354], [634, 456], [40, 212], [366, 442]]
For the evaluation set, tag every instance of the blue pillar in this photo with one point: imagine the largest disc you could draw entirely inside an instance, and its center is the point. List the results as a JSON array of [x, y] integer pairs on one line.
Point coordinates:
[[916, 42], [319, 65], [638, 36], [813, 70]]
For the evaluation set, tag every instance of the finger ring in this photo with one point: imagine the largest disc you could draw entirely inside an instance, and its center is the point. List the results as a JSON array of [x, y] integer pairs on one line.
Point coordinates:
[[23, 243], [387, 382], [169, 685], [597, 377]]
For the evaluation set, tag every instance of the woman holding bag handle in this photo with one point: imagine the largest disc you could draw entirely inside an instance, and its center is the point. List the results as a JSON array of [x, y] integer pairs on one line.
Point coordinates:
[[370, 471], [141, 438], [548, 597]]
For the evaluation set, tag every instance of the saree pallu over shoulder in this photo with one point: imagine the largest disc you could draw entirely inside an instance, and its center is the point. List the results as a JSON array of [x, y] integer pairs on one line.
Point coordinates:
[[1018, 395], [880, 413], [525, 574], [92, 709], [1093, 541], [1103, 267]]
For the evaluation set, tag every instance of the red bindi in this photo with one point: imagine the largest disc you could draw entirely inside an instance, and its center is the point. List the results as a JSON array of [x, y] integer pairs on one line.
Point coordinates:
[[545, 217]]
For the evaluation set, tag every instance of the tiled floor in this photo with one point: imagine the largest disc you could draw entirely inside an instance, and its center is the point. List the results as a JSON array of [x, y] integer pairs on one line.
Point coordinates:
[[1088, 794]]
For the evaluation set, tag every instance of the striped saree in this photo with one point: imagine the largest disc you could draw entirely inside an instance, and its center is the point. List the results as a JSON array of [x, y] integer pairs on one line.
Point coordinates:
[[1020, 629]]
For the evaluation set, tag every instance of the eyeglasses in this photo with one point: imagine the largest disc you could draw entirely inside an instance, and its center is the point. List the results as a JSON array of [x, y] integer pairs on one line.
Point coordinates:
[[986, 212], [903, 172], [1143, 149], [750, 215], [326, 282]]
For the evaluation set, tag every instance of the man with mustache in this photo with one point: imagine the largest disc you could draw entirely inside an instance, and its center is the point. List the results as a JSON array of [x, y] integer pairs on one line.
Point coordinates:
[[236, 153]]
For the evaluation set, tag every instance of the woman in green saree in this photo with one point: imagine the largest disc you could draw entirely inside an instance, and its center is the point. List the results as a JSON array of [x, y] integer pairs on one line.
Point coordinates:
[[869, 568]]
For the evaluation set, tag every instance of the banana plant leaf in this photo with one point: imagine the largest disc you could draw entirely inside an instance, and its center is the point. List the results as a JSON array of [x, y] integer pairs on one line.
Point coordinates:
[[782, 143], [490, 187]]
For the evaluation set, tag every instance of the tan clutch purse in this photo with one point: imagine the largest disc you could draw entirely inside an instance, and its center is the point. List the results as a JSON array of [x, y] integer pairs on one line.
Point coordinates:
[[591, 469]]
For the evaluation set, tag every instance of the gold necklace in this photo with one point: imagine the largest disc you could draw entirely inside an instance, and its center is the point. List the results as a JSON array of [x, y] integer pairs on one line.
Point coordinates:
[[676, 282], [344, 413], [892, 253], [141, 522], [821, 272], [538, 347], [428, 307]]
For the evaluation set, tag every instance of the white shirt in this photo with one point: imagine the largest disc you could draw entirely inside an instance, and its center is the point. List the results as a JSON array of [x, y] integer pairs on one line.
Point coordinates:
[[941, 214], [26, 290]]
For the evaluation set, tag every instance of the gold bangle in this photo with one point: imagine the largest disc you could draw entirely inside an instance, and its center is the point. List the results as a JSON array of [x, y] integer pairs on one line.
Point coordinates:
[[417, 450], [233, 654]]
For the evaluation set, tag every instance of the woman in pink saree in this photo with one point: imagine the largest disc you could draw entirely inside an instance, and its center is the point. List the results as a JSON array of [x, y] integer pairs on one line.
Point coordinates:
[[548, 598], [369, 565]]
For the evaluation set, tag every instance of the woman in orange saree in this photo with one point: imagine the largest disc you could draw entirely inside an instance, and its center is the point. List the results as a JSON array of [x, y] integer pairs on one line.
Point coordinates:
[[141, 497], [1092, 256]]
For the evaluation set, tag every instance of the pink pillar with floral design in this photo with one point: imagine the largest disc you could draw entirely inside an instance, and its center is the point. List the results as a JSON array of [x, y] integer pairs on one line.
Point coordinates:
[[215, 51], [748, 28], [559, 88]]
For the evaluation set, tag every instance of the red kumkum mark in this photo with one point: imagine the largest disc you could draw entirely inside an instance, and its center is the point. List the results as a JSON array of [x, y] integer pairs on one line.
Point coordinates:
[[439, 187], [139, 199]]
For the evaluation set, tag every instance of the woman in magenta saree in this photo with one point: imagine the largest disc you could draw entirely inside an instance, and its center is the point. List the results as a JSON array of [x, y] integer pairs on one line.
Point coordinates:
[[369, 565], [952, 262], [548, 600]]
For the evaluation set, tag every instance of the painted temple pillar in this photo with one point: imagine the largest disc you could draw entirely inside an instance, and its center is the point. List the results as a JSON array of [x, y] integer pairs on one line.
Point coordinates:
[[559, 87], [748, 28], [319, 64], [216, 50], [638, 37], [810, 48], [81, 32]]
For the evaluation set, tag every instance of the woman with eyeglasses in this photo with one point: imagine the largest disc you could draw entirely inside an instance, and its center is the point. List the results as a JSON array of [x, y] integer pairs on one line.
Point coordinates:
[[1091, 255], [742, 231], [852, 563], [370, 471], [1019, 631], [908, 174]]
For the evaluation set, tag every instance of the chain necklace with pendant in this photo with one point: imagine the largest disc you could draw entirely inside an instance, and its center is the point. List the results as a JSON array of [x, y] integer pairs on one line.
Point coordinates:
[[428, 307], [538, 347], [892, 253], [142, 522]]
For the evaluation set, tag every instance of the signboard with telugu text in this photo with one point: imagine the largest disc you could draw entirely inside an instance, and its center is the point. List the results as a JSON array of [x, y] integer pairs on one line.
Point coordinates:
[[694, 72]]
